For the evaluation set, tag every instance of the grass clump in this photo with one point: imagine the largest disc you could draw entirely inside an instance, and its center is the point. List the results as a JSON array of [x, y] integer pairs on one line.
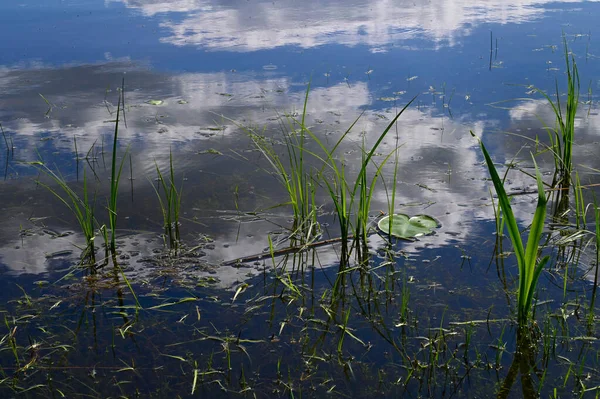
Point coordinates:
[[563, 134], [170, 204], [295, 175], [82, 207], [352, 199]]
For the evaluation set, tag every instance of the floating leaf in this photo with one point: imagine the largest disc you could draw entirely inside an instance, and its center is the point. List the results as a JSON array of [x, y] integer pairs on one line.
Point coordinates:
[[407, 227], [155, 102]]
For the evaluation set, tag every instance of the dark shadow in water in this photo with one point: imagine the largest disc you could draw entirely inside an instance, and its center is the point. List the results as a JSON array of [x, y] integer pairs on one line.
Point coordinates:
[[523, 364]]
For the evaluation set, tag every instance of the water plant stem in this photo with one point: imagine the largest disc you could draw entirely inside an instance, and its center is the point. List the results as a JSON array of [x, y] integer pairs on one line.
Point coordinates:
[[115, 175]]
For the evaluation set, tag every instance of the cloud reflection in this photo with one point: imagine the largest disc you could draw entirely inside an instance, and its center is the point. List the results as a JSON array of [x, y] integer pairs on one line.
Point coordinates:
[[251, 26], [439, 165]]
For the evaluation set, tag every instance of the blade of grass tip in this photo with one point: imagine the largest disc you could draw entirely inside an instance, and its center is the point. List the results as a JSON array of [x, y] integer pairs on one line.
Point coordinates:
[[195, 381], [305, 103], [123, 101], [379, 140], [129, 286], [378, 173]]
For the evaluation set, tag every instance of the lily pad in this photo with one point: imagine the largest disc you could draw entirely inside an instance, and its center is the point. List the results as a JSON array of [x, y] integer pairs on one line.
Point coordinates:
[[155, 102], [404, 226]]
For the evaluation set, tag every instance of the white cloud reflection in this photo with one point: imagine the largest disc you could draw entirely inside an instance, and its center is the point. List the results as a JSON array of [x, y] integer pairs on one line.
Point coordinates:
[[259, 25], [439, 168]]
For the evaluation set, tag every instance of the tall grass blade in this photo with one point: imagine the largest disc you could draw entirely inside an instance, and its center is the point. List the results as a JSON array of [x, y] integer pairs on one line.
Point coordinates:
[[115, 176]]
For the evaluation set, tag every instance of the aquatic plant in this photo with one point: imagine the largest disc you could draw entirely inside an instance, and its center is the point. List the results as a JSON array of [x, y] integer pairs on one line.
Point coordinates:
[[403, 226], [170, 205], [352, 198], [596, 270], [82, 207], [527, 257], [294, 175], [115, 174], [562, 135], [298, 183]]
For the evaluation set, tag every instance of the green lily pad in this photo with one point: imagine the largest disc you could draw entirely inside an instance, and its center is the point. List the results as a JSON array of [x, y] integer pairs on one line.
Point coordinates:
[[404, 226], [155, 102]]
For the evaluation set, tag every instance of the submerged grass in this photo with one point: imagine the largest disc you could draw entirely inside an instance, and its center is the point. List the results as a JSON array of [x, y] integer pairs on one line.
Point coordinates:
[[527, 257]]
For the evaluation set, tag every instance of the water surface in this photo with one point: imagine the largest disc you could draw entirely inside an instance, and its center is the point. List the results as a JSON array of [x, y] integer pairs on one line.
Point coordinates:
[[197, 77]]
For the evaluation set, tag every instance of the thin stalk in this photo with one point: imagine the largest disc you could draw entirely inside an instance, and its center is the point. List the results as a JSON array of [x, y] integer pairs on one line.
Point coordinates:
[[5, 139], [115, 176], [595, 287]]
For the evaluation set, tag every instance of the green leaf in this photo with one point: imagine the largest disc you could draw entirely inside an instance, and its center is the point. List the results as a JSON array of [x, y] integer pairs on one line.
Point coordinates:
[[155, 102], [403, 226]]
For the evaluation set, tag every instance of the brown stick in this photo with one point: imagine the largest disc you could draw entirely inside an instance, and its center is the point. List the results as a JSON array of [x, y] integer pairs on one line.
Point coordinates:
[[283, 251]]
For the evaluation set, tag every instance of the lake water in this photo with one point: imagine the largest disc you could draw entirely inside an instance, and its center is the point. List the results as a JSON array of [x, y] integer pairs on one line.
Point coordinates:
[[198, 84]]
